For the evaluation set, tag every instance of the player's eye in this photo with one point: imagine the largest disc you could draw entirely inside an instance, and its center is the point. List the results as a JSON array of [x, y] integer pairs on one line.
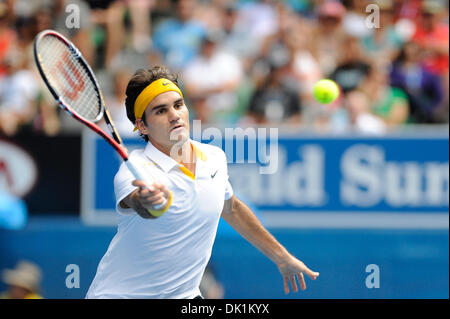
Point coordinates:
[[160, 111]]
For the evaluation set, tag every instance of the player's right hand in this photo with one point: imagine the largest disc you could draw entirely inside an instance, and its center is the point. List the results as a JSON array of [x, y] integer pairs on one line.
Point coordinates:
[[152, 196]]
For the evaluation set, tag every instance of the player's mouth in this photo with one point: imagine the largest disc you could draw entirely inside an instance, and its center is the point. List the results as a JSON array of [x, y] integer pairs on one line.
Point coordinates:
[[176, 128]]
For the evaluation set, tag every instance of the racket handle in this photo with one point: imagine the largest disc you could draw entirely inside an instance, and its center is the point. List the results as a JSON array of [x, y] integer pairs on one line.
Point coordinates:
[[141, 177]]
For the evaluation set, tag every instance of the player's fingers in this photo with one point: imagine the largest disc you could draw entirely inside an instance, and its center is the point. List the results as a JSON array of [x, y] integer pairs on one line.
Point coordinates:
[[138, 183], [157, 185], [286, 284], [158, 200], [293, 283], [154, 198], [311, 274], [145, 193], [142, 185], [301, 280], [161, 187]]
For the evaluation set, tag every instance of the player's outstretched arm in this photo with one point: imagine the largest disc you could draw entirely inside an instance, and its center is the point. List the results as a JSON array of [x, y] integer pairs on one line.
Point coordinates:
[[145, 198], [244, 221]]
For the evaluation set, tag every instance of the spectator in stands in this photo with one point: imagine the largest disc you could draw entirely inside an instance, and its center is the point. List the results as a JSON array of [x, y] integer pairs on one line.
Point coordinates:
[[53, 15], [8, 35], [46, 119], [210, 14], [291, 46], [384, 43], [329, 34], [109, 20], [407, 9], [236, 39], [275, 100], [18, 93], [355, 116], [140, 19], [79, 34], [211, 80], [23, 281], [422, 87], [304, 62], [176, 41], [26, 31], [353, 66], [432, 34], [115, 102], [128, 28], [354, 20], [258, 19], [389, 103]]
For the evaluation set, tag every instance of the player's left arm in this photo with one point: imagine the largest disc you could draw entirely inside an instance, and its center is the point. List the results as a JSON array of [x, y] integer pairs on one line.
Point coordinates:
[[244, 221]]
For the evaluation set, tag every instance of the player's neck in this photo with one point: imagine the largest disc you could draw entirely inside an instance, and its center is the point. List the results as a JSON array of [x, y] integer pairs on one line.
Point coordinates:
[[182, 153], [187, 154], [189, 160]]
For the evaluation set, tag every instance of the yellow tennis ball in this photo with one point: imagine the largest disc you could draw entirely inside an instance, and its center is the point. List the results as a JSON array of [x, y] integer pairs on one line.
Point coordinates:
[[325, 91]]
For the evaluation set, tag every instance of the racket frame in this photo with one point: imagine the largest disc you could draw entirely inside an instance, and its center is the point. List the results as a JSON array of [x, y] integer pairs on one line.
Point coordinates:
[[116, 141]]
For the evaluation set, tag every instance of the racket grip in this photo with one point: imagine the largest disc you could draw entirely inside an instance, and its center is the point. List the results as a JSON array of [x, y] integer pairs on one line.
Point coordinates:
[[141, 177]]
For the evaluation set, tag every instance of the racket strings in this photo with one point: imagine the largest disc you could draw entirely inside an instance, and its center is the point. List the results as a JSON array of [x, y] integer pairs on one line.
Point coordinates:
[[69, 78]]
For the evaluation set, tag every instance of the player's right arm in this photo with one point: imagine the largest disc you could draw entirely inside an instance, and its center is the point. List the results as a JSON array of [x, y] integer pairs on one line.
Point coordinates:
[[134, 196], [144, 199]]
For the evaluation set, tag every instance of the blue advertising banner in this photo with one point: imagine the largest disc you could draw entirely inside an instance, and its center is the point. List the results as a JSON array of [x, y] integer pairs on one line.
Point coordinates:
[[304, 173]]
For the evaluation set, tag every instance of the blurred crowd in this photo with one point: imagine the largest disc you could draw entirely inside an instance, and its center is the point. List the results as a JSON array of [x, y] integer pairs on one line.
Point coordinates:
[[243, 62]]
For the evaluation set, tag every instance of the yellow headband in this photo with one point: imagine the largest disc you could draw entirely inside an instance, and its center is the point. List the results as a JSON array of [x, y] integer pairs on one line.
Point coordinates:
[[150, 92]]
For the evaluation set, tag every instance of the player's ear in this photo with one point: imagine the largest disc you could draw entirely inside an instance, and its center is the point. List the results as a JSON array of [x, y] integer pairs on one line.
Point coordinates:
[[141, 126]]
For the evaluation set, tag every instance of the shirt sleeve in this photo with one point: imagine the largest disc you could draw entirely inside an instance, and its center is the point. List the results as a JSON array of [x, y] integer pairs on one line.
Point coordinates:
[[228, 188], [123, 187]]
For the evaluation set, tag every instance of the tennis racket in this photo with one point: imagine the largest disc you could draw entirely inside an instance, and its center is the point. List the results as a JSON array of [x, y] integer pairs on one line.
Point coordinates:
[[72, 83]]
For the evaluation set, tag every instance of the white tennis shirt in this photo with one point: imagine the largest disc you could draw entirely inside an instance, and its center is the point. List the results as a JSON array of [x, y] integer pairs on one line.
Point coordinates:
[[165, 257]]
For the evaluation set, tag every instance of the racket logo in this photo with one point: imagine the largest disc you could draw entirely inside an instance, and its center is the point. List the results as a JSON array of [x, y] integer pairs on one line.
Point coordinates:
[[72, 82]]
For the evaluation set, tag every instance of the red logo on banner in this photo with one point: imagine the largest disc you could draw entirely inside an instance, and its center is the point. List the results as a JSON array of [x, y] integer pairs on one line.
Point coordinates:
[[18, 170], [4, 171]]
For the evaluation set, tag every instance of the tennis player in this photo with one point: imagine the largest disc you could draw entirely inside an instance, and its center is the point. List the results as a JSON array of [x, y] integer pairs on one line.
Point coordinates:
[[162, 252]]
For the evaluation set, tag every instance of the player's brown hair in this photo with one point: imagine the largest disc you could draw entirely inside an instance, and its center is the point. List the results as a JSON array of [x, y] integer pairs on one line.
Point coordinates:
[[139, 81]]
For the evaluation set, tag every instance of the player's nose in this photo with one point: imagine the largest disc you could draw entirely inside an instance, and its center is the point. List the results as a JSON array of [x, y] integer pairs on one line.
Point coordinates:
[[173, 116]]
